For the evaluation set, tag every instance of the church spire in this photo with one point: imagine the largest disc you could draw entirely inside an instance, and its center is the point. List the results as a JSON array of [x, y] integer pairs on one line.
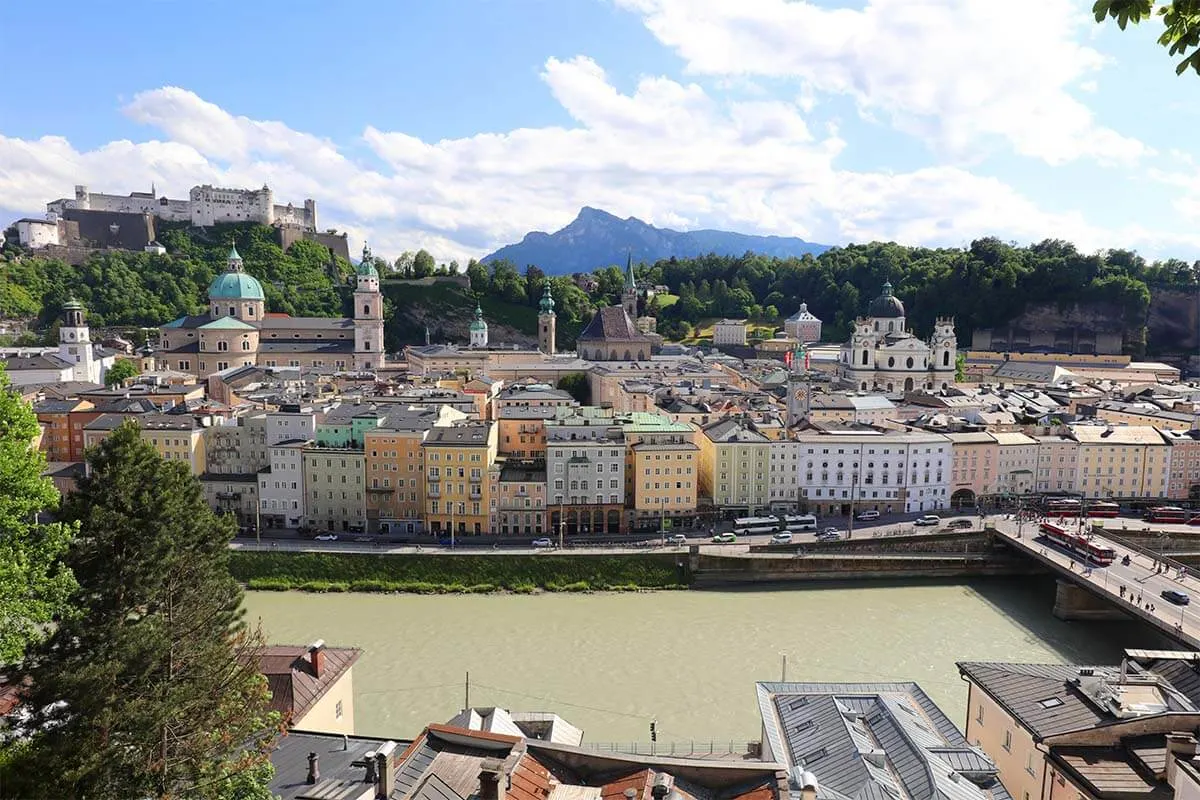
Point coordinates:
[[630, 281]]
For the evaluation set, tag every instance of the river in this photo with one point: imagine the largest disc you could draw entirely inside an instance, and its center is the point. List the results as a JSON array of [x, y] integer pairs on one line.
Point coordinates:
[[608, 663]]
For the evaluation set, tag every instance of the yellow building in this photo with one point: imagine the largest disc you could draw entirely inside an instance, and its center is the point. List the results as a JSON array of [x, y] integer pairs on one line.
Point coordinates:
[[661, 470], [333, 489], [395, 467], [1122, 461], [176, 437], [457, 461], [735, 465], [312, 686], [1058, 463]]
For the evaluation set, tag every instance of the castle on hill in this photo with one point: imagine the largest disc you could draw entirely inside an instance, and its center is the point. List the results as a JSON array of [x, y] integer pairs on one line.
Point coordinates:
[[205, 205]]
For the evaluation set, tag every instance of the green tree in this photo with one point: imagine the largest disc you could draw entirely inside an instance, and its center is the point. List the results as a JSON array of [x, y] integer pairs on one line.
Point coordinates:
[[121, 371], [1181, 25], [152, 688], [34, 584], [423, 264], [960, 367], [576, 383], [478, 275]]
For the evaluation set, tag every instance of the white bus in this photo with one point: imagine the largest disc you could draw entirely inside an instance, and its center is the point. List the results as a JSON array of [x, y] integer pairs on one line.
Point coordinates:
[[744, 526], [800, 522]]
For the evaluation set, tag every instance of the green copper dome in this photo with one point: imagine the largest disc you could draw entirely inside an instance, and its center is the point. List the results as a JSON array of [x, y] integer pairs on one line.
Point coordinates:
[[235, 286], [478, 324], [546, 305], [366, 267]]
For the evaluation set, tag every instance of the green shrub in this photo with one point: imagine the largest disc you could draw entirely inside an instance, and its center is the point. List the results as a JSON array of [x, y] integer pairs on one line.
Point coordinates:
[[577, 586], [269, 584]]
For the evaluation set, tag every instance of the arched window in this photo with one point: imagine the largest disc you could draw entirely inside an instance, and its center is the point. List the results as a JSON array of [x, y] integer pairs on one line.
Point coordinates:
[[628, 356], [249, 309], [202, 344], [908, 384], [909, 362], [876, 326], [890, 387], [891, 326], [946, 359], [366, 310], [864, 386], [245, 344], [222, 346], [865, 358]]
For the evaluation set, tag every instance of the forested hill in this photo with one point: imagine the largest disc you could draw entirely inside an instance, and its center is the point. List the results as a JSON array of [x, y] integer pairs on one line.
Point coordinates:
[[983, 286]]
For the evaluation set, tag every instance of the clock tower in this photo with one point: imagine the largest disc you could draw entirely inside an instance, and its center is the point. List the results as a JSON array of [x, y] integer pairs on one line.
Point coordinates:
[[799, 386]]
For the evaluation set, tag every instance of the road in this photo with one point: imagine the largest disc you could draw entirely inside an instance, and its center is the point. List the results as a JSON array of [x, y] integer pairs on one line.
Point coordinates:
[[1142, 580]]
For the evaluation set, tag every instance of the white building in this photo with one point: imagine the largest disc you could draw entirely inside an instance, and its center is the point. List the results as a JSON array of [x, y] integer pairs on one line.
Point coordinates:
[[281, 485], [289, 423], [585, 471], [803, 325], [37, 233], [1057, 464], [77, 357], [1017, 462], [884, 355], [784, 471], [206, 205], [730, 331], [870, 469]]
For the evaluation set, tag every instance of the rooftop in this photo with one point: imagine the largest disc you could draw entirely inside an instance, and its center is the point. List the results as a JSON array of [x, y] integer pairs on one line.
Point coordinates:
[[299, 675]]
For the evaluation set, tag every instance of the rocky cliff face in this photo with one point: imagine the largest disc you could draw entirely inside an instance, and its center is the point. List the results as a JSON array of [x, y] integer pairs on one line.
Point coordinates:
[[1173, 328]]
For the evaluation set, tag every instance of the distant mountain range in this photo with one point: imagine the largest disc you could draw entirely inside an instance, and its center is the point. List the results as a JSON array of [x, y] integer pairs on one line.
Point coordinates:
[[596, 239]]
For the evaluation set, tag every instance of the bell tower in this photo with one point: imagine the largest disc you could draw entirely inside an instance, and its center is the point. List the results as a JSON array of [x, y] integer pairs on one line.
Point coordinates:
[[368, 315], [75, 344], [629, 295], [944, 345], [547, 322]]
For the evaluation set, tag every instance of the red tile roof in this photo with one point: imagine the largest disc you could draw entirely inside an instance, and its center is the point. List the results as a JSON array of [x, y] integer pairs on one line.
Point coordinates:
[[294, 684], [640, 781]]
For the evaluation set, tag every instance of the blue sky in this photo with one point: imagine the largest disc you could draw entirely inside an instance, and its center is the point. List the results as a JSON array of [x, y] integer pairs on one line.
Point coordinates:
[[457, 126]]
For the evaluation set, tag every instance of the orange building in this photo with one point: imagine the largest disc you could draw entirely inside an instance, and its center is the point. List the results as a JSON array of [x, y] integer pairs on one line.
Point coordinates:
[[55, 418], [395, 468], [521, 431]]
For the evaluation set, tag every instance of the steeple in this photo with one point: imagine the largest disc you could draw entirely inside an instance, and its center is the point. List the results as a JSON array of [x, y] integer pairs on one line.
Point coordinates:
[[234, 261], [547, 321], [630, 281], [546, 304], [629, 295]]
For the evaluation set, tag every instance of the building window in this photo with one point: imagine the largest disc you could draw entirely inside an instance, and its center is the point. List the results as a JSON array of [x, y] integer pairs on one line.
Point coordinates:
[[979, 715], [337, 710], [1007, 741]]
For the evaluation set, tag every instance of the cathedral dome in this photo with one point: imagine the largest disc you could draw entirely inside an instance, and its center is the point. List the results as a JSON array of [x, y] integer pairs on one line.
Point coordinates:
[[235, 286], [887, 305]]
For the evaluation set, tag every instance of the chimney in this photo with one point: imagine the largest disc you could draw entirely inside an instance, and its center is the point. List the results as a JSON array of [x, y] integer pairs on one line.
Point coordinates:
[[1180, 746], [661, 788], [491, 773], [314, 770], [316, 656], [369, 763], [385, 763]]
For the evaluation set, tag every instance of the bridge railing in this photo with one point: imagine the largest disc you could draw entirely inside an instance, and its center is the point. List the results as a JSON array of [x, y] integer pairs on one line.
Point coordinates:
[[1146, 551]]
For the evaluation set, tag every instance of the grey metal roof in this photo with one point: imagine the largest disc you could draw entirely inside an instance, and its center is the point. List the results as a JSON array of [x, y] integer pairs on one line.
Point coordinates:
[[336, 765], [415, 766], [271, 322], [874, 741], [1019, 688], [434, 788]]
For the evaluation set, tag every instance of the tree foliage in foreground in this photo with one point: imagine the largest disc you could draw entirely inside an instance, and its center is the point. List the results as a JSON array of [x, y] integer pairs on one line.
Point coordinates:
[[1181, 25], [152, 688], [34, 584]]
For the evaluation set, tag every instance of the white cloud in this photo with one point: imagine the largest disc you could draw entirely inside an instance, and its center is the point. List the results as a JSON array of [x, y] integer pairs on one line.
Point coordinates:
[[957, 73], [670, 153]]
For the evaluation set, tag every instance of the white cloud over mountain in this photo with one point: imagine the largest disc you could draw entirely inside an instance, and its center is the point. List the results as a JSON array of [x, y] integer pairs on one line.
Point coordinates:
[[963, 76]]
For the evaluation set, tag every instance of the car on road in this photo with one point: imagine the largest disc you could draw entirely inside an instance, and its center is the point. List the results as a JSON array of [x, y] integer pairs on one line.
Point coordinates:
[[543, 542], [828, 531], [829, 535], [725, 538], [866, 516], [781, 538], [1175, 596], [677, 538], [959, 523], [326, 537], [363, 539], [928, 519]]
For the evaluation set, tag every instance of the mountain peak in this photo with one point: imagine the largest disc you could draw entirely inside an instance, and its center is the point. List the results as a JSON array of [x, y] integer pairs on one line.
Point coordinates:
[[596, 238]]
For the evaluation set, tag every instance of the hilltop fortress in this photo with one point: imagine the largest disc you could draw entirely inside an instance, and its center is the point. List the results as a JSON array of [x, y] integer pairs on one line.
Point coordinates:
[[206, 205]]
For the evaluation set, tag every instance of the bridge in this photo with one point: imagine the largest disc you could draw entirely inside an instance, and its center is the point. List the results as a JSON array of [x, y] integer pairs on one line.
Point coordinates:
[[1106, 592]]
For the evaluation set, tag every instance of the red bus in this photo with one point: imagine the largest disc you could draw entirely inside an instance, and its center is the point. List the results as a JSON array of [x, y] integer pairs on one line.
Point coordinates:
[[1078, 544], [1063, 508], [1103, 510], [1167, 514]]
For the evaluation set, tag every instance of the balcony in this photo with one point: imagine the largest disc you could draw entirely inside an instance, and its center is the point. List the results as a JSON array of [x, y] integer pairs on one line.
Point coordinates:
[[381, 489], [229, 495]]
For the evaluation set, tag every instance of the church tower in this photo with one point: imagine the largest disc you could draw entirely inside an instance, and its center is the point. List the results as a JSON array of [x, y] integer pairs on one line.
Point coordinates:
[[944, 347], [75, 344], [799, 386], [546, 322], [368, 315], [629, 295], [479, 330]]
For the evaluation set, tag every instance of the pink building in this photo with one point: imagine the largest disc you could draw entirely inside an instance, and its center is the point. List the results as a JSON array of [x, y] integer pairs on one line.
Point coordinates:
[[1185, 463], [973, 467]]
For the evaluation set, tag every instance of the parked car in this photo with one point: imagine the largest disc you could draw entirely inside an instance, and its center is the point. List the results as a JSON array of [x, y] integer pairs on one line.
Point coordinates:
[[543, 542], [677, 538], [326, 537], [959, 523], [725, 538], [1175, 596], [866, 516], [928, 519], [781, 538]]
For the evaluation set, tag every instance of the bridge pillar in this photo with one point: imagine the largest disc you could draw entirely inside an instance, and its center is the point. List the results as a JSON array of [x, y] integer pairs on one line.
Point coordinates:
[[1072, 602]]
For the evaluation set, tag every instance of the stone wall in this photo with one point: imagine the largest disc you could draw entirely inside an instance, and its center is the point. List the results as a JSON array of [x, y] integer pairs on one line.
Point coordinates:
[[712, 571]]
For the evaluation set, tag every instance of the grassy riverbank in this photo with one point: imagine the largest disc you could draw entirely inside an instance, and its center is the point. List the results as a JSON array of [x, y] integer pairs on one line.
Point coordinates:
[[438, 573]]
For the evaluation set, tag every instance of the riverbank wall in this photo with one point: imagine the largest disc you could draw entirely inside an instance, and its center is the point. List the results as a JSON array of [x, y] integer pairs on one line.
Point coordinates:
[[438, 573]]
